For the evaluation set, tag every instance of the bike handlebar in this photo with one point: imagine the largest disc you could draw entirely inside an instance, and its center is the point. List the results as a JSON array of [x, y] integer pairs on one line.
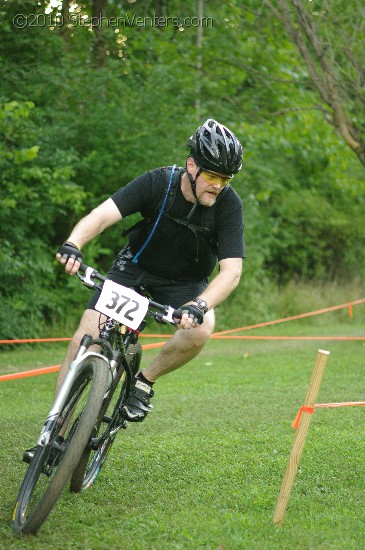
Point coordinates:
[[92, 273], [88, 279]]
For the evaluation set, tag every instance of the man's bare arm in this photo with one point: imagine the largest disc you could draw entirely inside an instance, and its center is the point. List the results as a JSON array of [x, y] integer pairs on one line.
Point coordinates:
[[88, 228]]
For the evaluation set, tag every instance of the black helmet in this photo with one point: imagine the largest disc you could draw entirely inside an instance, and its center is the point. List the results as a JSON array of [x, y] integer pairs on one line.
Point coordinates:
[[214, 147]]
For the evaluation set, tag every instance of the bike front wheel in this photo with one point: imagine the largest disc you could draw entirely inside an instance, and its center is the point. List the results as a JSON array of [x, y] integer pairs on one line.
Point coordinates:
[[53, 464], [106, 428]]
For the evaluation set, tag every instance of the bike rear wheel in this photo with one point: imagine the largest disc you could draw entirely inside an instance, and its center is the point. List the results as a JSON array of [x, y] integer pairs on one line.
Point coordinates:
[[108, 425], [52, 465]]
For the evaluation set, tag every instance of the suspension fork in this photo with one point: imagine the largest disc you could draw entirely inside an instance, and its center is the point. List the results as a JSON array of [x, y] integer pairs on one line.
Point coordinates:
[[75, 368]]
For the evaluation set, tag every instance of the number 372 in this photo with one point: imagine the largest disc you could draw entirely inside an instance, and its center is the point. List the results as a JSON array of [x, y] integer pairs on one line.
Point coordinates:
[[119, 303]]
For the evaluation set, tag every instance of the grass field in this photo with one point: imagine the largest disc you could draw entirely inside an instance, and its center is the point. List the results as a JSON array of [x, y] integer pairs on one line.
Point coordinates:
[[204, 470]]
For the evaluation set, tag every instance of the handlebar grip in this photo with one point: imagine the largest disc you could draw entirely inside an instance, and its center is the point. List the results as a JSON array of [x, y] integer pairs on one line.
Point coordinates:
[[177, 313]]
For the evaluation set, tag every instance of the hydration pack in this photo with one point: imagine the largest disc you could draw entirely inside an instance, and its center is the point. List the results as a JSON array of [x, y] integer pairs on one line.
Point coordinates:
[[207, 219]]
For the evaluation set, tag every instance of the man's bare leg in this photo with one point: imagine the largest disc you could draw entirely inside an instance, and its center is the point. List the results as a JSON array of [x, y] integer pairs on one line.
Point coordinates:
[[180, 349], [89, 324]]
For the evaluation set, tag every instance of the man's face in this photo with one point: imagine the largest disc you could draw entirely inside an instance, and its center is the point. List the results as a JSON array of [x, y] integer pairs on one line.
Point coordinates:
[[208, 185], [207, 192]]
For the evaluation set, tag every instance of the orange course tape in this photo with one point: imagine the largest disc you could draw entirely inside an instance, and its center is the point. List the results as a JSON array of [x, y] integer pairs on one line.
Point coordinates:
[[223, 332], [34, 340], [214, 336], [310, 410], [293, 317], [37, 340], [288, 337], [55, 368], [27, 373], [345, 404]]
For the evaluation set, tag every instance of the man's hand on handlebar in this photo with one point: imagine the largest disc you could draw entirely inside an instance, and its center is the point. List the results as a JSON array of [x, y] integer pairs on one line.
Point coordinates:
[[192, 317], [70, 256]]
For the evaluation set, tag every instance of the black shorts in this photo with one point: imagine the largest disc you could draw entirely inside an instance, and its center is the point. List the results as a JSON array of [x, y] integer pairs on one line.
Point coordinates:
[[160, 289]]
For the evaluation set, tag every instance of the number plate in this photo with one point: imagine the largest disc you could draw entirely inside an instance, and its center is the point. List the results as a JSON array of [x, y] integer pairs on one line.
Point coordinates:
[[123, 304]]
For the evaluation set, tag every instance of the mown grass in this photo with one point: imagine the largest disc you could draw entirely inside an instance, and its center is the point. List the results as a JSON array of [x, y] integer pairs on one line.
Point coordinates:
[[204, 470]]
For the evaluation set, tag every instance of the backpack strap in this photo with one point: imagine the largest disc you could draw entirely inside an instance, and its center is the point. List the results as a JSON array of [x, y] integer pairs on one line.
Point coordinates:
[[173, 176], [171, 194], [208, 215], [174, 186], [162, 208], [189, 225], [206, 228]]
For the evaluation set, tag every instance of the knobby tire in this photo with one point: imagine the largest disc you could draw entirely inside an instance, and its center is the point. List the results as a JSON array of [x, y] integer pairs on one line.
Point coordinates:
[[91, 460], [93, 377]]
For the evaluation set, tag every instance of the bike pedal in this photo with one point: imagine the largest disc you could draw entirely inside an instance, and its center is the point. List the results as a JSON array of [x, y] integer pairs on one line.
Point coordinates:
[[107, 419]]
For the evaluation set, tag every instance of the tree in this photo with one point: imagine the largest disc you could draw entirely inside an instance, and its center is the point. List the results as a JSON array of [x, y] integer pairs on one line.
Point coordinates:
[[199, 61], [329, 36], [98, 14], [32, 195], [91, 131]]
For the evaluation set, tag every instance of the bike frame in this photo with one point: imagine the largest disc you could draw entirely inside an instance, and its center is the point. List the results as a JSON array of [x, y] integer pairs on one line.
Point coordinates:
[[112, 357], [115, 362]]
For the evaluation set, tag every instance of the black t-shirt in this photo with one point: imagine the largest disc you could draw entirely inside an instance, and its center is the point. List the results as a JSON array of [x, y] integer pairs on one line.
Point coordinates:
[[174, 251]]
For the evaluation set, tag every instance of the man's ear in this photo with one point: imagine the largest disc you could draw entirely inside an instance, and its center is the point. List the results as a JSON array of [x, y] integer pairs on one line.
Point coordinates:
[[190, 163]]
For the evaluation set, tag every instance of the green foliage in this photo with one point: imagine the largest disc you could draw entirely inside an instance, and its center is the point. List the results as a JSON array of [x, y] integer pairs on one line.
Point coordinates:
[[73, 132], [31, 195], [305, 216]]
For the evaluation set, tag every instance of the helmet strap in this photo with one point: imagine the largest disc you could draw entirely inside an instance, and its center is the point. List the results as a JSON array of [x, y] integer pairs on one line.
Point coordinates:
[[193, 180]]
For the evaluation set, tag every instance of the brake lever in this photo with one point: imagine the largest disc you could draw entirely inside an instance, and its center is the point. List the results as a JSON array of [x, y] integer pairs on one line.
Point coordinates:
[[169, 316], [88, 278]]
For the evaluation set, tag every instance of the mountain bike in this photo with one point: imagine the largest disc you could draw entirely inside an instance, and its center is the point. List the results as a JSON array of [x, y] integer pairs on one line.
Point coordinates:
[[87, 415]]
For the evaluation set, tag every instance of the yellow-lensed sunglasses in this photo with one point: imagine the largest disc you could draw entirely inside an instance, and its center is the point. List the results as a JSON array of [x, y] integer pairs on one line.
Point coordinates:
[[215, 178]]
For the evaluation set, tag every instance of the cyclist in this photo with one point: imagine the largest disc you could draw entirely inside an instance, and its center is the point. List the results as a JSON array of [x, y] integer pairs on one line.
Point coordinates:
[[174, 254]]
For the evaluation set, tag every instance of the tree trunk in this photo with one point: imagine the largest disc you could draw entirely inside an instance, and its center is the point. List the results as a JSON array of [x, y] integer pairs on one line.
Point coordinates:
[[199, 60], [161, 8], [319, 60], [98, 13], [65, 14]]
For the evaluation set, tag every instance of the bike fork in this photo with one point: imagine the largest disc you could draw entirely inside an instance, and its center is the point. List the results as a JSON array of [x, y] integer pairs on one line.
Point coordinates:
[[75, 368]]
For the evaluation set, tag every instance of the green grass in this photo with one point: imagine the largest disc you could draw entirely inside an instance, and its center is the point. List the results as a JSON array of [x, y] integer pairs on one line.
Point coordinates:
[[205, 468]]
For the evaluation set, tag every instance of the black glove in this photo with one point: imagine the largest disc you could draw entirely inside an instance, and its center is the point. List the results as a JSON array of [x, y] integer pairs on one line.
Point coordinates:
[[70, 250], [194, 312]]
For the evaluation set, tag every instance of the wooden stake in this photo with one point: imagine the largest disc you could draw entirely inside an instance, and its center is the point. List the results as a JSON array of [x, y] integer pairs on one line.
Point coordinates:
[[300, 437]]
